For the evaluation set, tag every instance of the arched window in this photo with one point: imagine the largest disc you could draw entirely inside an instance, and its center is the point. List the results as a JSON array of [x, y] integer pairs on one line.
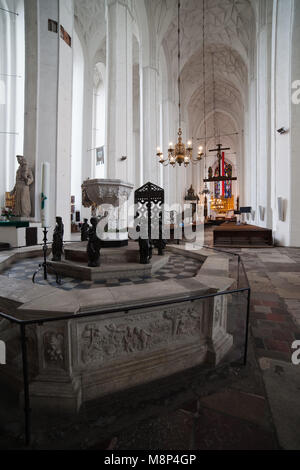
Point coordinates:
[[228, 184], [224, 189], [99, 121], [218, 184]]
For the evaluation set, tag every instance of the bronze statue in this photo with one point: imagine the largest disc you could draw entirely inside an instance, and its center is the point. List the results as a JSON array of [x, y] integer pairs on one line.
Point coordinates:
[[210, 173], [94, 244], [21, 193], [58, 236], [84, 230], [145, 246], [161, 243]]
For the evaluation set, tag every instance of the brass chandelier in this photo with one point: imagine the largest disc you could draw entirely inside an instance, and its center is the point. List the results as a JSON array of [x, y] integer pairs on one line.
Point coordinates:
[[180, 154]]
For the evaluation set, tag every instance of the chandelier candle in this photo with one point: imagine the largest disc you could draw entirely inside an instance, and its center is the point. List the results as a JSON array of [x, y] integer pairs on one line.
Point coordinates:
[[45, 195]]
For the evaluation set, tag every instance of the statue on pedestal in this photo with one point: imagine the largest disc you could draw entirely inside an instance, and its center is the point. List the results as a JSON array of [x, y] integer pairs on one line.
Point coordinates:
[[84, 230], [21, 193], [94, 244], [58, 236]]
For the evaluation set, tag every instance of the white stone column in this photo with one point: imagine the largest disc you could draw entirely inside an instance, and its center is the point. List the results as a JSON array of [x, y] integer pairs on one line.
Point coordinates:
[[136, 127], [119, 101], [264, 38], [31, 96], [168, 136], [295, 133], [149, 124], [54, 107], [281, 103], [64, 117], [11, 92]]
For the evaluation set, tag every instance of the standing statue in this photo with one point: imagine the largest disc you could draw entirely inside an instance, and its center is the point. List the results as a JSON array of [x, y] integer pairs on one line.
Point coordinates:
[[84, 230], [210, 173], [145, 246], [58, 236], [24, 178], [94, 245], [161, 243]]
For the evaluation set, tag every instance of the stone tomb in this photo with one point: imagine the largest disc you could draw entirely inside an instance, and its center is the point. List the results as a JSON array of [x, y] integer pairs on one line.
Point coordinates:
[[74, 361]]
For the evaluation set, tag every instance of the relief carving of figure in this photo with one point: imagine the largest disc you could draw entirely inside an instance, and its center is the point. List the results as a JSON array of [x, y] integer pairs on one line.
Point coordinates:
[[54, 347], [21, 192], [92, 348]]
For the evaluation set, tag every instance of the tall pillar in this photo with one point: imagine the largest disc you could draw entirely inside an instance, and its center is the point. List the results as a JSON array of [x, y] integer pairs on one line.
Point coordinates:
[[11, 91], [168, 134], [49, 85], [281, 117], [264, 38], [64, 116], [119, 122], [295, 133], [149, 124], [136, 127]]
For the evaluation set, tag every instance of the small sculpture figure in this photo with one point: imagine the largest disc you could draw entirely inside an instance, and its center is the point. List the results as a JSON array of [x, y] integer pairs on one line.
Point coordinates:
[[210, 173], [145, 246], [94, 244], [161, 243], [100, 218], [84, 230], [58, 236], [21, 193]]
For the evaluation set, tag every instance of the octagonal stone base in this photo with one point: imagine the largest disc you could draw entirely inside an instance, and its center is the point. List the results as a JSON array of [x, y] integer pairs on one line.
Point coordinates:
[[116, 263], [85, 357]]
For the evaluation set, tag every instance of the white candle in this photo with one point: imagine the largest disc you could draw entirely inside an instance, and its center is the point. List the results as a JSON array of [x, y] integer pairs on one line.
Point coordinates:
[[45, 195]]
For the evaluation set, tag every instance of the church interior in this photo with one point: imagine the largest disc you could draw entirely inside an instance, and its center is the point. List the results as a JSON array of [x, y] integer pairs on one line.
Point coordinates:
[[150, 225]]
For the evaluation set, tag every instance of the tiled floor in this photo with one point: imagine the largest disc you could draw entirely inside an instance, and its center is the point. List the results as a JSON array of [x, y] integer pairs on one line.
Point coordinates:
[[178, 267], [263, 410]]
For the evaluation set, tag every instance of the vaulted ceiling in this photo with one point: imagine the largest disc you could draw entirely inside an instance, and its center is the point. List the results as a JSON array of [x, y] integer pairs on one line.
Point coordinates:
[[229, 31]]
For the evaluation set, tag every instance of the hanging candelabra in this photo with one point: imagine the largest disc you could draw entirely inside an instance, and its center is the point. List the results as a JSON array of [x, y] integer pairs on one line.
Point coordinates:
[[180, 154]]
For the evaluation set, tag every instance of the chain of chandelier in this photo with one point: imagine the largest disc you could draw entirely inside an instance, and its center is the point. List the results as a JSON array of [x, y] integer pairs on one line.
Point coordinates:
[[182, 154]]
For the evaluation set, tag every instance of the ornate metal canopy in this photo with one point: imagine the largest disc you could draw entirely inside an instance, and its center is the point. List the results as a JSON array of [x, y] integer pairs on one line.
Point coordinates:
[[149, 200]]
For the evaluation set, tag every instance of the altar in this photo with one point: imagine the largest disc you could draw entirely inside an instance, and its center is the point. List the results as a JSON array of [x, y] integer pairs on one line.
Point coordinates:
[[17, 233]]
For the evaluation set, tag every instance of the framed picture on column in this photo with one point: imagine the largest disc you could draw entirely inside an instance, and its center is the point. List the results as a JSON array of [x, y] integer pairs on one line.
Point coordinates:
[[100, 155]]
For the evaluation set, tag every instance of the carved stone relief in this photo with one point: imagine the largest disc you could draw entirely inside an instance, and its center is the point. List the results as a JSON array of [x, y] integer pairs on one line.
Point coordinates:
[[54, 348], [138, 333]]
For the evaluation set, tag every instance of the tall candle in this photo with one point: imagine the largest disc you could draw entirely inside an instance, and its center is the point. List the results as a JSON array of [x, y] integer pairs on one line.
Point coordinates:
[[45, 195]]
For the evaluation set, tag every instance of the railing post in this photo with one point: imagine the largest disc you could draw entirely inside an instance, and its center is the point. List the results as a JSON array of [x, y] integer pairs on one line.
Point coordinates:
[[247, 328], [27, 410]]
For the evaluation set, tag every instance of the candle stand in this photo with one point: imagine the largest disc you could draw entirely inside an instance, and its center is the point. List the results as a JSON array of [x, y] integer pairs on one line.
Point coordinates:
[[45, 265]]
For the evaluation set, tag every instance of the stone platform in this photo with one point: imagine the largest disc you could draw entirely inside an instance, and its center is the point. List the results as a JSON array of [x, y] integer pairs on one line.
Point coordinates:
[[128, 254], [115, 263], [240, 236], [92, 353]]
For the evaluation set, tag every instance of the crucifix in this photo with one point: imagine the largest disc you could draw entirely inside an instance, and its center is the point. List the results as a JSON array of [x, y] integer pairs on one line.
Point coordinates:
[[221, 158], [219, 151]]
